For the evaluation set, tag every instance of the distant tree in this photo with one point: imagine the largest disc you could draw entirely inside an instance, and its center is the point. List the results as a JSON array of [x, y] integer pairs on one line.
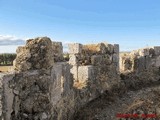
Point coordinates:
[[7, 58]]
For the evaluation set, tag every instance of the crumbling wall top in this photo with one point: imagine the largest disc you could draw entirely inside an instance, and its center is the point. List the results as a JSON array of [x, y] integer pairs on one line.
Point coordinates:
[[140, 60], [36, 54]]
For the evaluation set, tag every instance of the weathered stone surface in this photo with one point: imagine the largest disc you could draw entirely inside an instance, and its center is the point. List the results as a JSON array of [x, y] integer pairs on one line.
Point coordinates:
[[116, 48], [134, 53], [157, 50], [43, 91], [144, 52], [115, 58], [37, 54], [99, 48], [107, 59], [135, 63], [73, 59], [151, 52], [8, 95], [74, 71], [147, 62], [127, 64], [102, 48], [96, 60], [140, 60], [158, 61], [75, 48], [141, 64], [58, 51], [96, 54], [84, 73], [110, 48]]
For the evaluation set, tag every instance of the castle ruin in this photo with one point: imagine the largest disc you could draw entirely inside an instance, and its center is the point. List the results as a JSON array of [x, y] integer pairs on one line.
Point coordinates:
[[43, 86]]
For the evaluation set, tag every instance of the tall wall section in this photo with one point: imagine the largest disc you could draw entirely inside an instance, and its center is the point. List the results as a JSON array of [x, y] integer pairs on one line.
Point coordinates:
[[45, 87]]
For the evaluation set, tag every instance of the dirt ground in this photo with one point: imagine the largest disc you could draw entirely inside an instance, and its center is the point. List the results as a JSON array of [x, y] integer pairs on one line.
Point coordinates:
[[6, 68], [144, 102]]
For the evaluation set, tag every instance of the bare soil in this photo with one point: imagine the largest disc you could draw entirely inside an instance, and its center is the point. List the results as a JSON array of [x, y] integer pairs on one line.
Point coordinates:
[[6, 68], [144, 101]]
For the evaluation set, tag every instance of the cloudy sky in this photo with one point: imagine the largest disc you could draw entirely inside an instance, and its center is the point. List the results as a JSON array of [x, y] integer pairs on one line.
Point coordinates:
[[8, 43], [131, 23], [11, 40]]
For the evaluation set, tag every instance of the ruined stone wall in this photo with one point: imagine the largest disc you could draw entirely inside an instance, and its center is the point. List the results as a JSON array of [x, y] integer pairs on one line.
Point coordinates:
[[95, 69], [140, 68], [43, 87], [140, 60], [94, 54]]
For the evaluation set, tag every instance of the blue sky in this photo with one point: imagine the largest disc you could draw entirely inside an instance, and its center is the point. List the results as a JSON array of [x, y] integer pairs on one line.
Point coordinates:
[[131, 23]]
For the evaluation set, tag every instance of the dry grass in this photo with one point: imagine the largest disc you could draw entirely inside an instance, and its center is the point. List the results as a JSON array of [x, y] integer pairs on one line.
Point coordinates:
[[6, 68], [92, 47], [80, 85]]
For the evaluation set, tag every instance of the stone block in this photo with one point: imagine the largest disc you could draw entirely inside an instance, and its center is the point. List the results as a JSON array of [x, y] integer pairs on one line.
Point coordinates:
[[127, 64], [110, 48], [115, 58], [121, 63], [74, 72], [62, 82], [158, 61], [151, 52], [8, 96], [116, 48], [135, 64], [58, 51], [85, 73], [57, 47], [96, 60], [157, 50], [134, 53], [73, 59], [141, 64], [102, 48], [147, 62], [144, 52], [107, 59], [75, 48]]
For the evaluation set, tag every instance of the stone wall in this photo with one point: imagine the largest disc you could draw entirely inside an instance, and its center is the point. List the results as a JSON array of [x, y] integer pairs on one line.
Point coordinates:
[[140, 60], [94, 54], [58, 51], [43, 87], [95, 69]]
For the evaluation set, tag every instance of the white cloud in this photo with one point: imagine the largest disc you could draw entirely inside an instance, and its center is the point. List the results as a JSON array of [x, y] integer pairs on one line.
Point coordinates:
[[11, 40], [10, 37]]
